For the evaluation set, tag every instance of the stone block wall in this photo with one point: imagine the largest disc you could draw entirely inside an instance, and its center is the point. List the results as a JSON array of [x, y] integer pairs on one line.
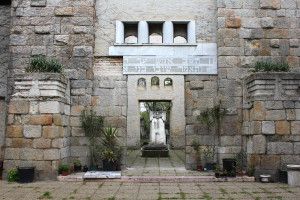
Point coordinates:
[[272, 120], [60, 29], [108, 92], [201, 92], [38, 130], [107, 12], [4, 63], [248, 31]]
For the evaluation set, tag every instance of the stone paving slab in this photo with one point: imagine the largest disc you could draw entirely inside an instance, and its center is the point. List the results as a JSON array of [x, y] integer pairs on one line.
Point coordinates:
[[152, 191]]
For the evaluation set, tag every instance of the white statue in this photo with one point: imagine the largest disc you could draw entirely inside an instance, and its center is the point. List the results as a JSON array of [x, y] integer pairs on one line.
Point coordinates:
[[157, 127]]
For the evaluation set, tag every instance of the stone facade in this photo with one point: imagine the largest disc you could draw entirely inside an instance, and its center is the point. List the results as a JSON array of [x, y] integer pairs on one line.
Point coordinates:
[[80, 33], [38, 132], [249, 31], [4, 63], [271, 119]]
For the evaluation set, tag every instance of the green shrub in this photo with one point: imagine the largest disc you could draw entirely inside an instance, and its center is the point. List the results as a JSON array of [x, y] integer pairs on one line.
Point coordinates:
[[41, 64], [92, 125], [268, 66], [63, 168], [13, 175]]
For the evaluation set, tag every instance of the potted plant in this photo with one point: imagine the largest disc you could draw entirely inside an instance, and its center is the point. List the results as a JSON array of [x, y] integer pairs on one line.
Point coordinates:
[[85, 168], [209, 154], [229, 164], [109, 159], [241, 159], [218, 171], [92, 125], [197, 148], [211, 118], [13, 175], [64, 169], [77, 165], [110, 150], [251, 170]]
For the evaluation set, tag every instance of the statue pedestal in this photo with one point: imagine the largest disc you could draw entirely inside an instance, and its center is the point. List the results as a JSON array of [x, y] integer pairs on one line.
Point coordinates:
[[155, 150]]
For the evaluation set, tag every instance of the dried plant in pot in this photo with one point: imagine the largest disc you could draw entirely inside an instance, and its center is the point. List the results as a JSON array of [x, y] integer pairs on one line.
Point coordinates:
[[198, 153]]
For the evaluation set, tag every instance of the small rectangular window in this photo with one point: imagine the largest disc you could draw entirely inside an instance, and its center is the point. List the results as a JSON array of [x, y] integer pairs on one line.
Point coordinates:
[[155, 32], [131, 32], [180, 32]]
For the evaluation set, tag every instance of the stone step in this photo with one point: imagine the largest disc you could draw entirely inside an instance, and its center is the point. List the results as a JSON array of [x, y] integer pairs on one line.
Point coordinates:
[[185, 179], [116, 176]]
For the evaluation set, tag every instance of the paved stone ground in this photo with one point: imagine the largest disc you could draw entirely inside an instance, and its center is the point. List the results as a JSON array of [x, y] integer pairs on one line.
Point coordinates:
[[151, 191], [169, 166]]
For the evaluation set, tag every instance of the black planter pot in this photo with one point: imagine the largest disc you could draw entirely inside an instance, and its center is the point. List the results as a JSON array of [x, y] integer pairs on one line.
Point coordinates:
[[282, 176], [109, 166], [26, 174], [1, 169], [229, 165], [77, 168], [85, 168]]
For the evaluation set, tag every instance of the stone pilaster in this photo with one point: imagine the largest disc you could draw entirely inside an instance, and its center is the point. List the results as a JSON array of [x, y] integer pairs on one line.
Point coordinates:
[[143, 32], [168, 32]]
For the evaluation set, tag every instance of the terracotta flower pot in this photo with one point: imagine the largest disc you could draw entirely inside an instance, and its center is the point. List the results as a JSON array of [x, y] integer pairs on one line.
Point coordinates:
[[64, 173]]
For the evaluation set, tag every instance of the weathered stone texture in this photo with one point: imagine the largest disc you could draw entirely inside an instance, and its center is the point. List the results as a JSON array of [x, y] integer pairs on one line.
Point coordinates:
[[280, 148], [233, 22], [32, 131], [270, 4], [14, 131], [268, 127], [18, 107], [40, 120], [283, 127], [259, 144]]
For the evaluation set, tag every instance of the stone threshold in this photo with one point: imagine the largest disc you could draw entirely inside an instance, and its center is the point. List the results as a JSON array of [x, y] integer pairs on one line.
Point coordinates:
[[185, 179], [116, 176]]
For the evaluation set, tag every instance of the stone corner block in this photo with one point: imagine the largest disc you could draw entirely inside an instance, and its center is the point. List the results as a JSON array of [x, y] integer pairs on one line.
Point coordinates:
[[32, 131]]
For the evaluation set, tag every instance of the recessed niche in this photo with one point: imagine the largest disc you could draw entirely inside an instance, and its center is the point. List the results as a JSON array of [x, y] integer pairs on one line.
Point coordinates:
[[168, 82], [155, 33], [180, 33], [155, 81], [131, 33], [141, 83]]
